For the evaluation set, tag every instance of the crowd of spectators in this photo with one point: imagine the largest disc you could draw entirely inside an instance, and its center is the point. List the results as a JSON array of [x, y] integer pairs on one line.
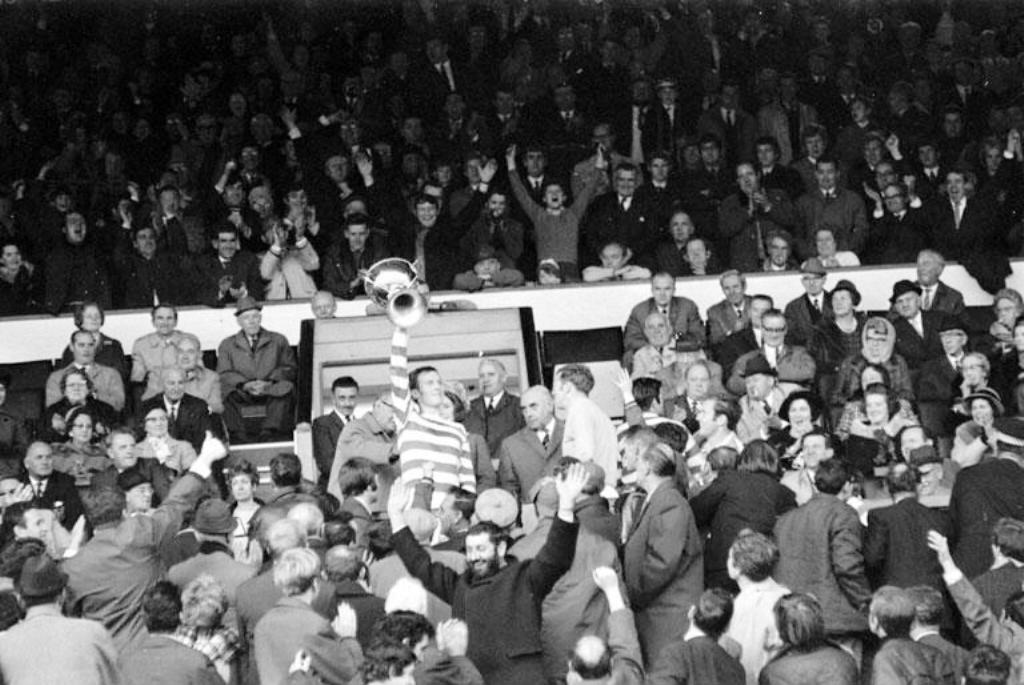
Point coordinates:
[[798, 491]]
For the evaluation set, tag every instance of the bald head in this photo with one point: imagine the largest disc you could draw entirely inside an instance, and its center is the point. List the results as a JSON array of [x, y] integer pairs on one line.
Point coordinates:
[[591, 660], [174, 383], [323, 305]]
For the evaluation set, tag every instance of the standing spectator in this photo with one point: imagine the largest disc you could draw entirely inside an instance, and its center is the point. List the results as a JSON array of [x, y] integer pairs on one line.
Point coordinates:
[[929, 612], [156, 352], [513, 589], [963, 226], [213, 523], [83, 651], [327, 429], [821, 554], [748, 497], [1006, 575], [662, 560], [620, 216], [806, 654], [146, 274], [257, 367], [899, 233], [496, 413], [533, 451], [372, 435], [830, 205], [494, 228], [107, 384], [985, 493], [698, 657], [747, 217], [111, 574], [589, 434], [430, 242], [752, 559], [900, 659], [76, 271]]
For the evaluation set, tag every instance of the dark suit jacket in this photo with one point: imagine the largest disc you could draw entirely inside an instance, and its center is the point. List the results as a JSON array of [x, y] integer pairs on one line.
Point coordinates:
[[896, 544], [734, 347], [737, 140], [440, 249], [60, 487], [326, 431], [981, 495], [669, 258], [722, 319], [911, 346], [897, 241], [802, 318], [976, 234], [523, 460], [658, 132], [947, 300], [339, 266], [192, 422], [495, 425], [663, 568], [636, 227], [244, 269]]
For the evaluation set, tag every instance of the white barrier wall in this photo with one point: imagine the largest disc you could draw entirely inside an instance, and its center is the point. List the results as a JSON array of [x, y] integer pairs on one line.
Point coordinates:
[[562, 308]]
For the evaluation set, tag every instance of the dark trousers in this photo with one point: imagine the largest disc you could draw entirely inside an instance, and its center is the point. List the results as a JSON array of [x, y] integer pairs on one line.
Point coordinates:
[[277, 418]]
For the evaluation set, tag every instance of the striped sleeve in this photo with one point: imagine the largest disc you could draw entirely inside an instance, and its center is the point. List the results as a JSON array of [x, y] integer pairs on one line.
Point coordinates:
[[399, 371]]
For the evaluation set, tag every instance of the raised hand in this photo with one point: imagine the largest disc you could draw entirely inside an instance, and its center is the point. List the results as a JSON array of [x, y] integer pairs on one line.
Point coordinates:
[[570, 485], [510, 157], [345, 622], [453, 637]]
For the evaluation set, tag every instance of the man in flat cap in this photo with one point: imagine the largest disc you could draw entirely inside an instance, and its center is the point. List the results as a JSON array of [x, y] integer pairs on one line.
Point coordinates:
[[986, 492], [257, 369], [77, 650]]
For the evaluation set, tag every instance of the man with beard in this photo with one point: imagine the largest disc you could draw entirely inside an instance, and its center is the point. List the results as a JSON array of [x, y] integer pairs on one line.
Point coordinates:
[[494, 586]]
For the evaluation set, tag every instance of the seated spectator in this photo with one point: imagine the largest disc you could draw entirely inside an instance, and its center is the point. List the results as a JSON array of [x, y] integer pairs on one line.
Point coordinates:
[[1008, 306], [21, 282], [670, 254], [488, 272], [805, 652], [430, 242], [700, 657], [878, 341], [807, 311], [800, 413], [615, 266], [779, 246], [731, 314], [656, 358], [176, 455], [761, 401], [188, 417], [900, 232], [200, 381], [76, 270], [89, 316], [793, 365], [161, 656], [699, 258], [900, 659], [256, 367], [79, 455], [13, 431], [107, 385], [917, 331], [826, 251], [870, 440], [229, 273], [344, 261], [751, 562], [289, 262], [684, 319], [76, 389], [155, 352], [975, 439]]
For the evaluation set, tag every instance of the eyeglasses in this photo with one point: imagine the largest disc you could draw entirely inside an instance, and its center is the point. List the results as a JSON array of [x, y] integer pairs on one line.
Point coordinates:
[[773, 329]]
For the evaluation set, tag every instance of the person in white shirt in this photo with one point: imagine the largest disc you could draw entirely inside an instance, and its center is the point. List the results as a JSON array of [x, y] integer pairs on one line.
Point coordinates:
[[589, 433]]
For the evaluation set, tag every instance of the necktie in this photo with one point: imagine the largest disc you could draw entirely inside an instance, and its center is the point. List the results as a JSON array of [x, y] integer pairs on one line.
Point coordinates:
[[174, 412], [958, 212], [817, 303], [544, 439], [739, 312], [927, 303], [622, 204], [252, 344], [767, 408], [40, 487]]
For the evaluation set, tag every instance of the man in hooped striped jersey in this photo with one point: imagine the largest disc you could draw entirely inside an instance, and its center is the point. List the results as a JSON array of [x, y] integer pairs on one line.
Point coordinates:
[[424, 434]]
